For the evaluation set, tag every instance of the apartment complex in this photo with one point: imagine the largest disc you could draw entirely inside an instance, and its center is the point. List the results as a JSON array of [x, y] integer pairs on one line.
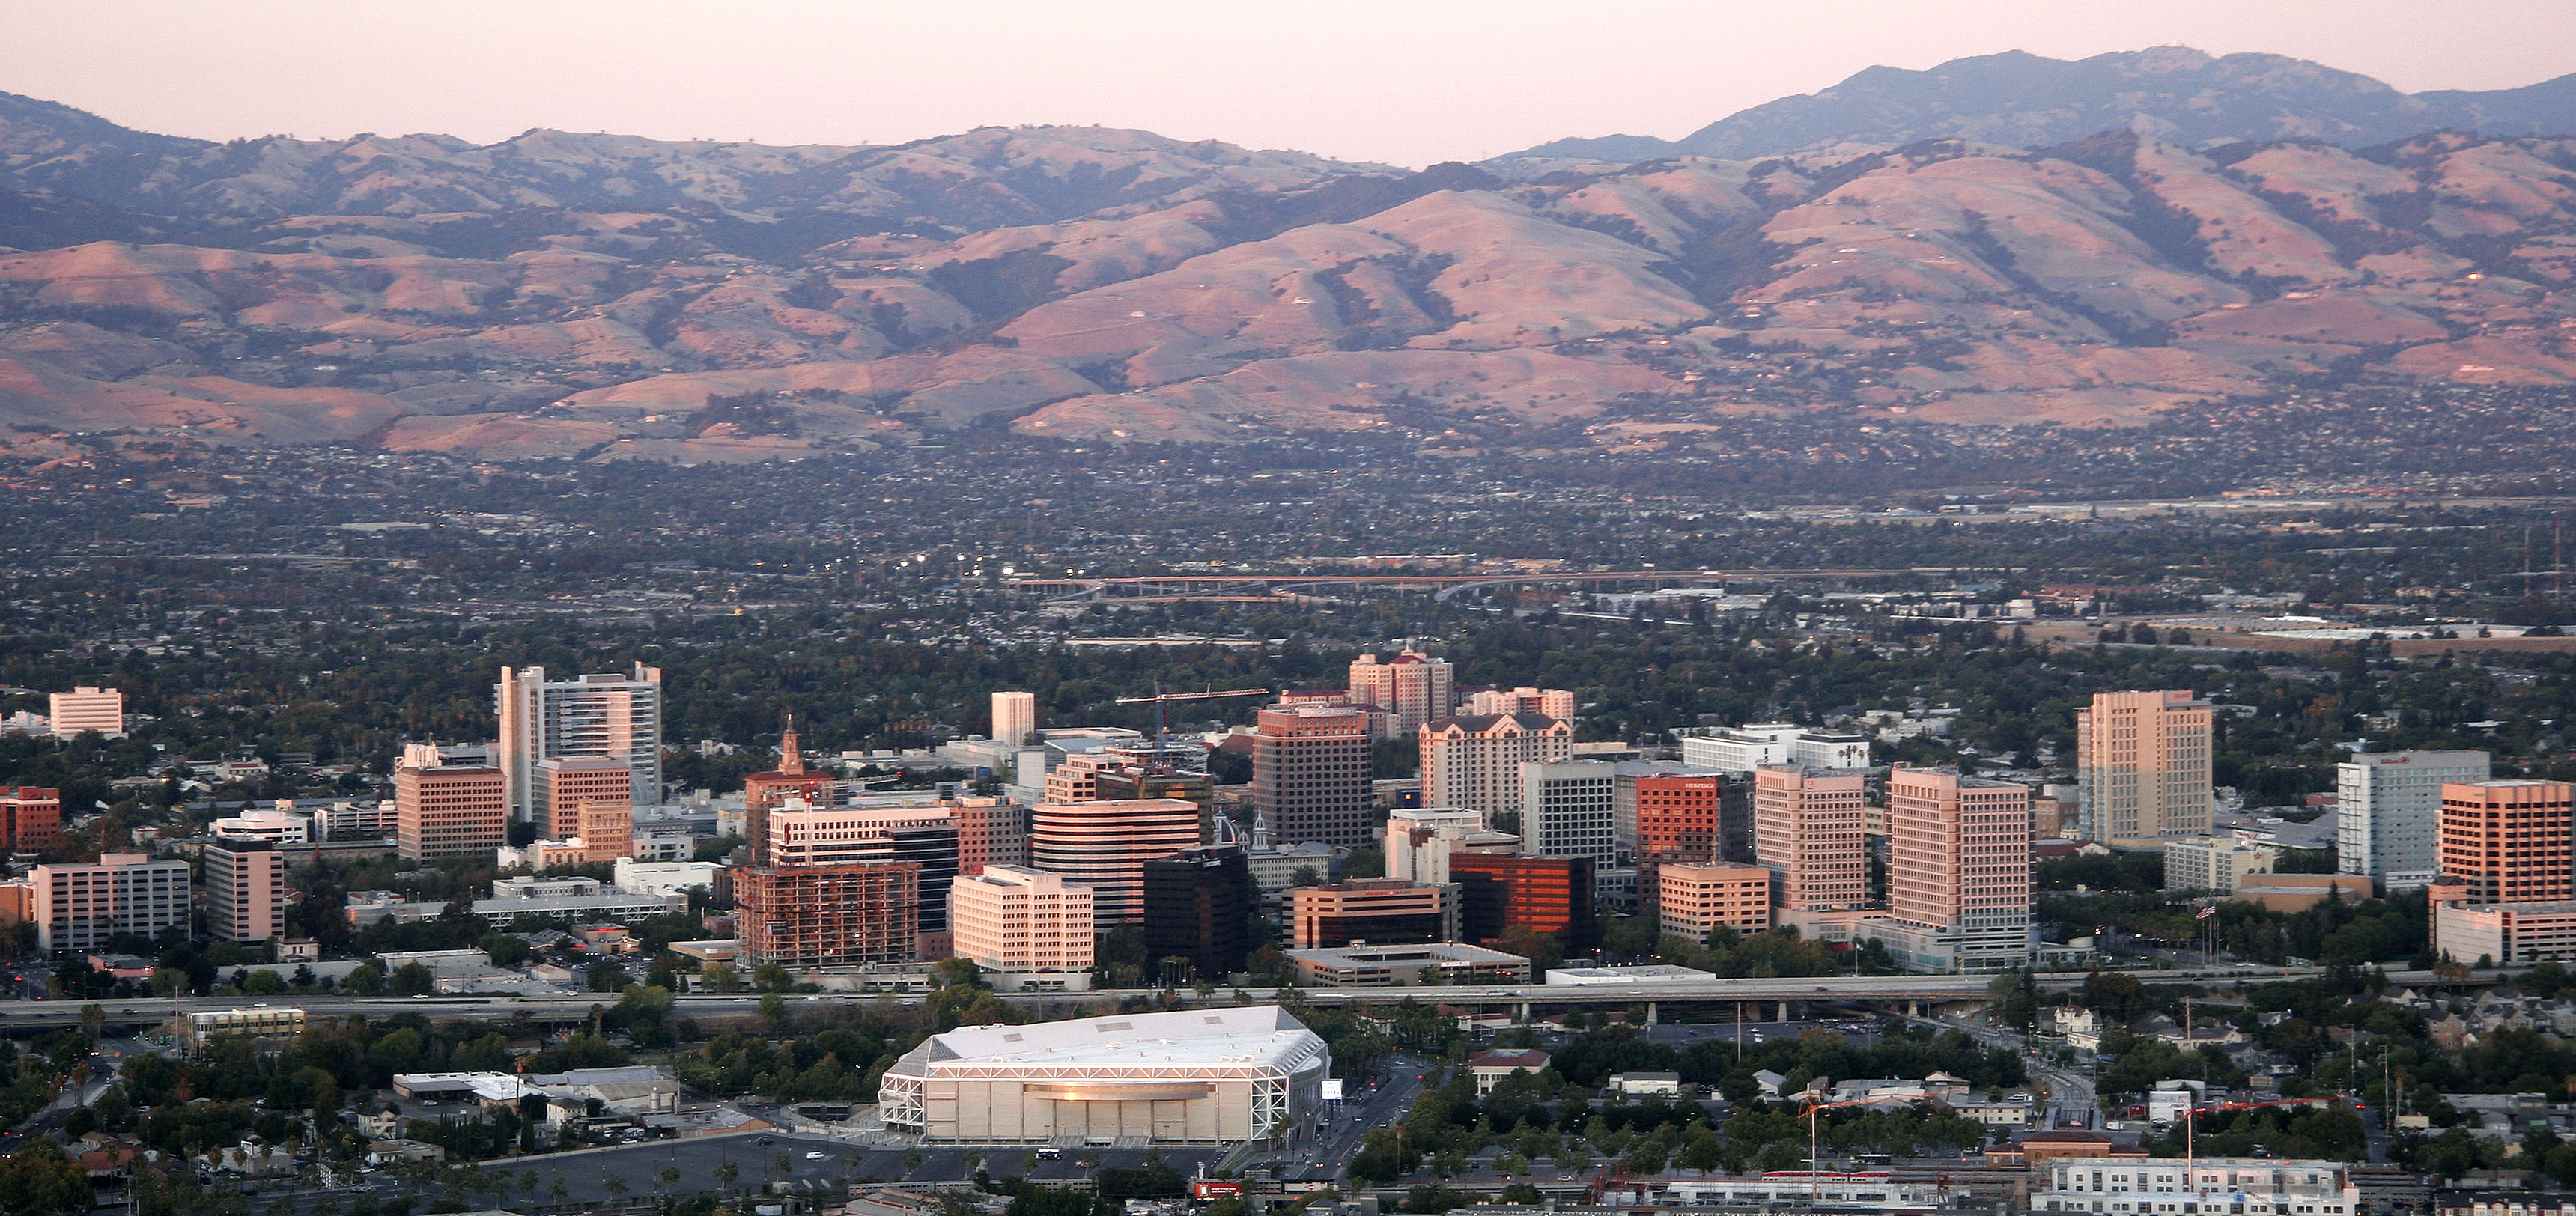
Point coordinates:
[[1958, 871], [2142, 765], [1375, 911], [444, 810], [30, 817], [1807, 828], [1693, 900], [1015, 718], [1545, 702], [2388, 812], [1568, 809], [1105, 845], [828, 916], [1310, 773], [610, 715], [1413, 688], [80, 905], [245, 889], [1014, 919], [1474, 763], [85, 709]]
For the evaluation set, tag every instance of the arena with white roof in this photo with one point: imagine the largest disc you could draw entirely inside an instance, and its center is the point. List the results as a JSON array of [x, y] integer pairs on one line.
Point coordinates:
[[1195, 1076]]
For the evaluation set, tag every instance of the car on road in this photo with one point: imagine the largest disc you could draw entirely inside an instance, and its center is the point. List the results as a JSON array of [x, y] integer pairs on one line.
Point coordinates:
[[813, 1156]]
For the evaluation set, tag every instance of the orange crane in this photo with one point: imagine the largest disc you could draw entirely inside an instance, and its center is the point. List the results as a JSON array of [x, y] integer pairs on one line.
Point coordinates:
[[1162, 698]]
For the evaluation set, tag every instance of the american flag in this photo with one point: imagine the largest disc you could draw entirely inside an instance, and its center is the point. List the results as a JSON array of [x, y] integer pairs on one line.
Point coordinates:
[[2206, 912]]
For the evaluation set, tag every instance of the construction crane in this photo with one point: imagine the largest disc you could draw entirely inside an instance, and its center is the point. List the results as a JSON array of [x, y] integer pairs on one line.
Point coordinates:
[[1814, 1166], [1161, 699]]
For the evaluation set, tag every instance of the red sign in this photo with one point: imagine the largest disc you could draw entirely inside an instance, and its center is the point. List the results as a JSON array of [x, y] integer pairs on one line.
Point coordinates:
[[1214, 1188]]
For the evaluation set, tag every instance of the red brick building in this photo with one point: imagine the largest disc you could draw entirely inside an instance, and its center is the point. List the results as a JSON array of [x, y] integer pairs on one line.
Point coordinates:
[[30, 817]]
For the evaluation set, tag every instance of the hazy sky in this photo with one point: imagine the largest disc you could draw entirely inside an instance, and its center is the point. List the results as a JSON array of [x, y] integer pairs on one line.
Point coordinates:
[[1403, 81]]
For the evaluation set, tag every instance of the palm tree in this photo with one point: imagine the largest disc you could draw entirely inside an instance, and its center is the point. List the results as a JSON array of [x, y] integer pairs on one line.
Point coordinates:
[[558, 1189], [728, 1173], [670, 1177]]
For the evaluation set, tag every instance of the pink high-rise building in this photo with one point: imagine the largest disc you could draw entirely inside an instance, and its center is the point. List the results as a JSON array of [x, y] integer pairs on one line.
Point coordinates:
[[1807, 828], [1474, 763], [245, 889], [2142, 765], [2508, 841], [1958, 870], [1413, 688]]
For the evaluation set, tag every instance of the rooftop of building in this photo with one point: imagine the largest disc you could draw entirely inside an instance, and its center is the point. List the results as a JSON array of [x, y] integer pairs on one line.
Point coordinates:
[[1530, 1058], [1254, 1034], [1651, 973], [1367, 956]]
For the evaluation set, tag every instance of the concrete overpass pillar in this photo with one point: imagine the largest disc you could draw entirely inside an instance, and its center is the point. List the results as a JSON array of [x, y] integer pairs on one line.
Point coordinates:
[[1650, 1013], [1784, 1012], [1524, 1013], [1914, 1008]]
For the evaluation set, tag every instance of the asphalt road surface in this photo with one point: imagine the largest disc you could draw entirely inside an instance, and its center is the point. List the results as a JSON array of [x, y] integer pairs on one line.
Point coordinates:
[[585, 1174]]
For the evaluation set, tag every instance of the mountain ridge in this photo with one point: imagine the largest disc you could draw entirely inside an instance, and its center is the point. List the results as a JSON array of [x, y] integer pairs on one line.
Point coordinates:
[[606, 297], [2019, 99]]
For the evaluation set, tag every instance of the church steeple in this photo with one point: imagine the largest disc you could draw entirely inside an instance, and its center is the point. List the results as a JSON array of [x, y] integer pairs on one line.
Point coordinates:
[[790, 761]]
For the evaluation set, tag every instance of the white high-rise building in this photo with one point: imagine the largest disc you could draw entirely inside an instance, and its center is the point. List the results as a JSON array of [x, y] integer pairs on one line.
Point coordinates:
[[1015, 717], [86, 708], [1419, 842], [1568, 809], [2388, 813], [611, 715]]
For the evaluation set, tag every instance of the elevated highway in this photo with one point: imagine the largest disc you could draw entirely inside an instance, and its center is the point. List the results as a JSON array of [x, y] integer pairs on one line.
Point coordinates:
[[1893, 990]]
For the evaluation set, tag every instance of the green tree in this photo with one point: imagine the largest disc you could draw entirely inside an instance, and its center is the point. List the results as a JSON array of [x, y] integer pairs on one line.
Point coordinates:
[[411, 979], [37, 1178]]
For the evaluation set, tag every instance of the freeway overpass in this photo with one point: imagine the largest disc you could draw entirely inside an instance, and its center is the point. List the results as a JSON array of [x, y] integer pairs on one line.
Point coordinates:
[[1521, 998]]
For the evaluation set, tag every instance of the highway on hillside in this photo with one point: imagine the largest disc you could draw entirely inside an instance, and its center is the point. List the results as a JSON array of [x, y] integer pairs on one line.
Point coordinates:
[[573, 1006]]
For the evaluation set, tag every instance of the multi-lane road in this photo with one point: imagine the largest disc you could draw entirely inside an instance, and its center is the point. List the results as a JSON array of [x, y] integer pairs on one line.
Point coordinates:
[[572, 1006]]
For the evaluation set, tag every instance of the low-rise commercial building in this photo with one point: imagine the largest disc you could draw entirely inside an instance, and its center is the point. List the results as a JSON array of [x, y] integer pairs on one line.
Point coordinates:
[[2248, 1185], [1694, 900], [2211, 863], [1377, 911], [1407, 965]]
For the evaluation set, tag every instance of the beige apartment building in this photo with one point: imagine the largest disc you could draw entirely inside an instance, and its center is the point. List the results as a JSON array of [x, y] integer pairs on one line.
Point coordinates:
[[2142, 765], [1015, 919], [1474, 763], [1807, 829], [1958, 871], [575, 792], [1693, 900], [79, 905]]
